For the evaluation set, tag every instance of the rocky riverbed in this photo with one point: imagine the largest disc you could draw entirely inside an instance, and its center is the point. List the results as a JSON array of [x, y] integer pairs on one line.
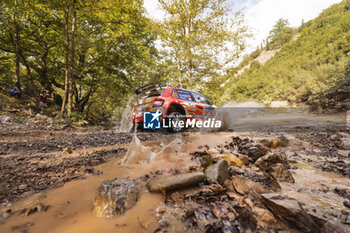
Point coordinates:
[[66, 180]]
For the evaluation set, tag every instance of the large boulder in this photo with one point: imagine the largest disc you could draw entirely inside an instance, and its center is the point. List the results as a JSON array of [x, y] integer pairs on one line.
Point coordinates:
[[115, 197], [290, 212], [260, 177], [281, 173], [245, 186], [218, 172], [267, 161], [169, 183]]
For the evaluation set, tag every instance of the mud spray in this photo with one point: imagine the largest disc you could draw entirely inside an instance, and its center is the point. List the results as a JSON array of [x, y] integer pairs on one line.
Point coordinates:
[[137, 152], [231, 113], [125, 123]]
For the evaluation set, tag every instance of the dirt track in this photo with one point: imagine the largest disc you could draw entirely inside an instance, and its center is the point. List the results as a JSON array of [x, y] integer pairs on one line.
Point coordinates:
[[35, 160]]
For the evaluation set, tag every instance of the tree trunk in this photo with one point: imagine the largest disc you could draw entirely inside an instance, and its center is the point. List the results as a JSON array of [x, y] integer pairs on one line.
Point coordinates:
[[189, 64], [189, 73], [71, 66], [63, 108], [29, 73], [179, 70], [17, 53]]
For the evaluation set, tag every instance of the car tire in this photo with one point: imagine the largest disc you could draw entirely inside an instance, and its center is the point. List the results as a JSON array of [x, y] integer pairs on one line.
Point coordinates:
[[175, 116], [139, 128], [132, 128]]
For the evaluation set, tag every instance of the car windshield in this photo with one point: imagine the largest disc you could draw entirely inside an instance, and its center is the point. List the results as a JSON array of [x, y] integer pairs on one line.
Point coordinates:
[[200, 99]]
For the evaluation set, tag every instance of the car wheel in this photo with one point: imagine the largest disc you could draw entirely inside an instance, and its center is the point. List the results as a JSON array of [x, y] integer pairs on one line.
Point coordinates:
[[132, 128], [139, 128], [175, 117]]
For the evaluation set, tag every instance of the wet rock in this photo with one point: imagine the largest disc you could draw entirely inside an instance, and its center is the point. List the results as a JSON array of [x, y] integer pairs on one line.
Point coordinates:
[[4, 214], [35, 208], [281, 141], [68, 150], [263, 215], [329, 219], [5, 119], [269, 160], [335, 137], [244, 159], [218, 172], [254, 153], [280, 173], [331, 227], [115, 197], [261, 177], [343, 192], [245, 186], [169, 183], [290, 212], [233, 160], [204, 158], [339, 167], [271, 143]]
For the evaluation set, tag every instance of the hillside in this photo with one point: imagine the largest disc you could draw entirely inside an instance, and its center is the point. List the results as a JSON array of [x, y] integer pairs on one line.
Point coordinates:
[[311, 66]]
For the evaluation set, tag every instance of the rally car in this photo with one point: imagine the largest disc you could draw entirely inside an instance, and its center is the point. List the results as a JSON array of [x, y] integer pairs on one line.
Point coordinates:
[[170, 102]]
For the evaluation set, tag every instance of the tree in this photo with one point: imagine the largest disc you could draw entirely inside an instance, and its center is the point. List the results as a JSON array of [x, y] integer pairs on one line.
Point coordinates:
[[11, 19], [91, 53], [202, 37], [280, 33], [71, 60], [66, 60], [313, 69]]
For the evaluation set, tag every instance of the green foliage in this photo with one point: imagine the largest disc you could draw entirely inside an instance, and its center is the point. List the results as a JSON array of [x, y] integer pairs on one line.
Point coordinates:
[[255, 54], [313, 68], [347, 5], [114, 51], [280, 33], [201, 37]]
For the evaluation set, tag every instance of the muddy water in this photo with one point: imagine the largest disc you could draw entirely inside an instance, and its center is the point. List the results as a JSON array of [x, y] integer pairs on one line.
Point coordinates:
[[70, 206], [314, 187]]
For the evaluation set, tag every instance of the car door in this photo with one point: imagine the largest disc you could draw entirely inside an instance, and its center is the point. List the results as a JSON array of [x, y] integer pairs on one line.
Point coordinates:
[[208, 107], [186, 99]]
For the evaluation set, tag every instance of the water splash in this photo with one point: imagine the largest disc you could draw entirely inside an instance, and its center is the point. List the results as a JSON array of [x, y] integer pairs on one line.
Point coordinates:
[[125, 122], [138, 153]]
